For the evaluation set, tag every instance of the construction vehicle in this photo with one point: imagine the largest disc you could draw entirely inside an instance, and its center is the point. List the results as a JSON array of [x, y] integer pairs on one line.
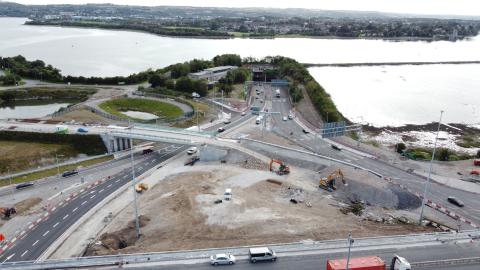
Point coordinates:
[[329, 183], [192, 160], [369, 263], [141, 187], [282, 169], [476, 162], [7, 212]]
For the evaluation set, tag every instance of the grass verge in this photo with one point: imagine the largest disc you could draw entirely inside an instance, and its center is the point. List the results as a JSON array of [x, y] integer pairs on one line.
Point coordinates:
[[161, 109], [50, 172]]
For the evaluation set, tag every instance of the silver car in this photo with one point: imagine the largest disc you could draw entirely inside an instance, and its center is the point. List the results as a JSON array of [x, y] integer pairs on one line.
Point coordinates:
[[222, 259]]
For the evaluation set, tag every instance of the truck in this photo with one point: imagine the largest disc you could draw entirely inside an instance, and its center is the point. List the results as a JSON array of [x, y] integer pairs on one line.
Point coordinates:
[[369, 263], [476, 162], [277, 93]]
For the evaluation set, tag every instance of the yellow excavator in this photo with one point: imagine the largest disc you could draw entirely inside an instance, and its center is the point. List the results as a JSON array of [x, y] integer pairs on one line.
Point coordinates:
[[329, 182]]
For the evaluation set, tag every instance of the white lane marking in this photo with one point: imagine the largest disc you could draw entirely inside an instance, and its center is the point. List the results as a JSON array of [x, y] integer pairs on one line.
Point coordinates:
[[13, 240], [45, 233], [125, 176], [84, 202], [65, 217], [35, 243], [109, 185], [56, 224], [92, 197], [140, 168], [101, 190], [76, 208], [118, 180], [23, 254], [9, 257], [30, 227]]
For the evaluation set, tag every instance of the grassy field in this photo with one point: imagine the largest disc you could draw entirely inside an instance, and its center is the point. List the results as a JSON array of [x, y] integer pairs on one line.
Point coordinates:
[[158, 108], [53, 171], [203, 109]]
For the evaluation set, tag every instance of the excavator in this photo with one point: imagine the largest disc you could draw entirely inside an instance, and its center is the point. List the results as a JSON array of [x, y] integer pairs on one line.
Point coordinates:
[[329, 182], [282, 168], [7, 212]]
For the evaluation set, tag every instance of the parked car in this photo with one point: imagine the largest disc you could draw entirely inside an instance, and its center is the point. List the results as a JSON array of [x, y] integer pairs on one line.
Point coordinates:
[[305, 131], [82, 130], [284, 118], [336, 147], [244, 113], [290, 116], [192, 150], [221, 129], [262, 254], [222, 259], [455, 201], [69, 173], [24, 185]]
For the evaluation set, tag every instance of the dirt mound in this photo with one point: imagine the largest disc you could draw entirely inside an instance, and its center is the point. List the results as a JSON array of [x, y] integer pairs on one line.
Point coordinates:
[[25, 205]]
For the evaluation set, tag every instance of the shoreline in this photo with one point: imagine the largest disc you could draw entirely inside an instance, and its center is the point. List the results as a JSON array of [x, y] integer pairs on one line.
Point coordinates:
[[453, 128]]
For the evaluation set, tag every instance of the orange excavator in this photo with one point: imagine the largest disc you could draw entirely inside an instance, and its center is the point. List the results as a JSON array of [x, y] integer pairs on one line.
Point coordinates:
[[329, 182], [281, 169], [7, 212]]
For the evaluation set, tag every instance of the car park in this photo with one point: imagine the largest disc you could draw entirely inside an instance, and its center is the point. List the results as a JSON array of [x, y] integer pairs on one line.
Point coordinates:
[[24, 185], [69, 173], [455, 201], [192, 150], [219, 259], [262, 254]]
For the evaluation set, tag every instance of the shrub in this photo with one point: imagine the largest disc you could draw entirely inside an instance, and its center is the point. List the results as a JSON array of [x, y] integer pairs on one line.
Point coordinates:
[[400, 147]]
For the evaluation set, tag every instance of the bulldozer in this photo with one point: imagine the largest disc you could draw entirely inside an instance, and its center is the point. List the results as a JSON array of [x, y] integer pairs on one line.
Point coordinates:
[[141, 187], [329, 183], [282, 168], [7, 212]]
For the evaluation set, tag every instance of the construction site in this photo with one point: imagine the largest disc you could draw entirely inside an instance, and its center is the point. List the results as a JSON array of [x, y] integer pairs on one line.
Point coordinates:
[[228, 198]]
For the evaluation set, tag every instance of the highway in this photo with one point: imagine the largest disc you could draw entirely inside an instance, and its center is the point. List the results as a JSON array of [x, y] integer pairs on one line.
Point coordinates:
[[437, 192], [318, 261], [40, 237]]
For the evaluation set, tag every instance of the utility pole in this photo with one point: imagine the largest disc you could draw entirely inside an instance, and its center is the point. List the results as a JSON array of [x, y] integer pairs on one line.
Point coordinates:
[[10, 179], [137, 223], [222, 103], [198, 126], [350, 243], [424, 199]]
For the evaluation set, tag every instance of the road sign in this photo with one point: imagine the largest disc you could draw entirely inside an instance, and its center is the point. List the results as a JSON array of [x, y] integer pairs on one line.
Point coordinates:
[[333, 129]]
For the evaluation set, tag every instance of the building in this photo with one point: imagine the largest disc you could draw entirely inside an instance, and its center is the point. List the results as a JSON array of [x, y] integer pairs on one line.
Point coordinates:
[[212, 74]]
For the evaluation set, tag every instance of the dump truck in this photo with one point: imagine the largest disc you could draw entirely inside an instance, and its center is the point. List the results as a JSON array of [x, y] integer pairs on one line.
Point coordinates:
[[7, 212], [281, 169], [329, 183], [369, 263], [141, 187]]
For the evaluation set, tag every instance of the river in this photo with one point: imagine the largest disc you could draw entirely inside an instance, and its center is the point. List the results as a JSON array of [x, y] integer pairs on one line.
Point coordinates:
[[96, 52]]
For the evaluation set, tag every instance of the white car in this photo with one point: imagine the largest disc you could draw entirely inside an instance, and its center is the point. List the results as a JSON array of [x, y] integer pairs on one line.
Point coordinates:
[[244, 113], [285, 118], [290, 116], [192, 150], [222, 259]]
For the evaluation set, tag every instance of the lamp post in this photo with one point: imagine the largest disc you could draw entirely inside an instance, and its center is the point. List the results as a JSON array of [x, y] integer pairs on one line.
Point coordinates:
[[430, 171], [350, 243], [137, 223]]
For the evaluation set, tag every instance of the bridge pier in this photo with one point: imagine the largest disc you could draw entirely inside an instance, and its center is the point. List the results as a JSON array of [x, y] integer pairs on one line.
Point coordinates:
[[115, 144]]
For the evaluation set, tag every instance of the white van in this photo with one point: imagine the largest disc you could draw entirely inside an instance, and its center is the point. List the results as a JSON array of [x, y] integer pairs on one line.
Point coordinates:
[[262, 254], [258, 120], [228, 194]]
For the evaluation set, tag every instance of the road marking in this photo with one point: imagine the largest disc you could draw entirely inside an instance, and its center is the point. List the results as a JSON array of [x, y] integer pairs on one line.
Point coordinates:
[[65, 217], [109, 185], [30, 227], [140, 168], [9, 257], [125, 176], [75, 209], [56, 224], [85, 202], [93, 196], [101, 190], [45, 233], [118, 180], [13, 240], [23, 254]]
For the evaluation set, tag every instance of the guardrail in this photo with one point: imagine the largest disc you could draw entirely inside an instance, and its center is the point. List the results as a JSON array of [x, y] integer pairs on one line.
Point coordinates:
[[281, 249], [462, 261]]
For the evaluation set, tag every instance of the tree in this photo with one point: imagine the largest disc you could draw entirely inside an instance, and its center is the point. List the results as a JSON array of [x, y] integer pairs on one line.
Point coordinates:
[[227, 60], [184, 84], [179, 70], [443, 154], [400, 147], [170, 84], [8, 79], [478, 154], [201, 87], [157, 80], [198, 65]]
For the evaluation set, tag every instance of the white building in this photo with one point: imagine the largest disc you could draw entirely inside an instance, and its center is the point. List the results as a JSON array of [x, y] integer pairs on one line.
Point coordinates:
[[212, 74]]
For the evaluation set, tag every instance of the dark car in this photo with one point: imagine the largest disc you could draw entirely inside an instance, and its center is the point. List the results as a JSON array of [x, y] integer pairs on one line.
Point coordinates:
[[305, 131], [191, 161], [455, 201], [147, 151], [23, 185], [221, 129], [69, 173]]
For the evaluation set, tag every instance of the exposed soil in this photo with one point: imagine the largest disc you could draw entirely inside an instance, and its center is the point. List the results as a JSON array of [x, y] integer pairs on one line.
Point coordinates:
[[24, 206], [265, 208]]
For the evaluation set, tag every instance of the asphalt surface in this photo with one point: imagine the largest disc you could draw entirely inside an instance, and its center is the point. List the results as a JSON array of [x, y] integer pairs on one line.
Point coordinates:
[[35, 242], [318, 261], [437, 192]]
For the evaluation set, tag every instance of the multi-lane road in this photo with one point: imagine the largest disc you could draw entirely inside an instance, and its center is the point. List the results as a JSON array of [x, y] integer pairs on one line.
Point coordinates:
[[36, 240]]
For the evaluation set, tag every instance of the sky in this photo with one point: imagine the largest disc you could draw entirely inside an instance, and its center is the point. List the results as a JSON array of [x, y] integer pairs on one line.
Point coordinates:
[[446, 7]]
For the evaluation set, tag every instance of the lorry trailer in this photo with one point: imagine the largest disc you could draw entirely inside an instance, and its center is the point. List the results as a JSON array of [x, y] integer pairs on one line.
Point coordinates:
[[368, 263]]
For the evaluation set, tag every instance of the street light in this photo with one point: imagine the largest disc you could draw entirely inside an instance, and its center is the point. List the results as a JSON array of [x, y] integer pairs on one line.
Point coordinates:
[[137, 223], [430, 171], [350, 243]]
